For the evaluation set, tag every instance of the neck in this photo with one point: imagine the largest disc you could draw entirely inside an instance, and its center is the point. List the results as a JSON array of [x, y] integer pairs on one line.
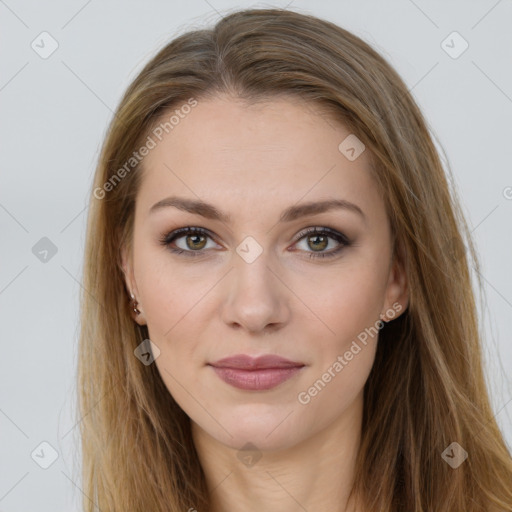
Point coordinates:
[[315, 475]]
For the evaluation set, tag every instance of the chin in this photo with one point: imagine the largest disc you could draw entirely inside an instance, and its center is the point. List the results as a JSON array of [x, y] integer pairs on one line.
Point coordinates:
[[266, 427]]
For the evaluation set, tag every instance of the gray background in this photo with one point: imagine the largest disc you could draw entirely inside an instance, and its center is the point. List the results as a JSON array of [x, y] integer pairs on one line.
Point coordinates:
[[54, 114]]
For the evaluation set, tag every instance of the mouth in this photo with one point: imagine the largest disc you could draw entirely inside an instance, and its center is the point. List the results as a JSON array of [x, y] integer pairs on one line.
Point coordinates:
[[256, 374]]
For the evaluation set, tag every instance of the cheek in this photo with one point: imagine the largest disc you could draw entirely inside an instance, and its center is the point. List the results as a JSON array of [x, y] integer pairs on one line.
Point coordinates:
[[343, 358], [174, 305], [166, 293], [172, 310], [345, 303]]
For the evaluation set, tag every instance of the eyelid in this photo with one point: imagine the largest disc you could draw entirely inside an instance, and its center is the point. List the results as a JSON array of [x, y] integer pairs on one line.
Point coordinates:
[[333, 233]]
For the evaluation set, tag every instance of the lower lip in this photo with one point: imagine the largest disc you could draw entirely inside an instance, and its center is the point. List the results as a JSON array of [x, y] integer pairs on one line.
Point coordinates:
[[256, 380]]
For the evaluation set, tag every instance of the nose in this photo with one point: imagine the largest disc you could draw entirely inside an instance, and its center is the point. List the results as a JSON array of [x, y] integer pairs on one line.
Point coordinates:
[[256, 300]]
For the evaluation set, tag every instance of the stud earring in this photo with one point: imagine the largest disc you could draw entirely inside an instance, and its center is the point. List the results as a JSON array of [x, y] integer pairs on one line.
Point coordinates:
[[134, 304]]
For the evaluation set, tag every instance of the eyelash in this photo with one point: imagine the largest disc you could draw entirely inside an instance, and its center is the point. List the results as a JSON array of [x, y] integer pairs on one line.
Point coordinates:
[[168, 238]]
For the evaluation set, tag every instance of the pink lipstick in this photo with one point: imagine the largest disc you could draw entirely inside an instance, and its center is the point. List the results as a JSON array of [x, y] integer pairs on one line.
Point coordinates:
[[255, 374]]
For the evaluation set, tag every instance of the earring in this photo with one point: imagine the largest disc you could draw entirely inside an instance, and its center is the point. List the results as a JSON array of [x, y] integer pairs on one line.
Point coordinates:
[[134, 304]]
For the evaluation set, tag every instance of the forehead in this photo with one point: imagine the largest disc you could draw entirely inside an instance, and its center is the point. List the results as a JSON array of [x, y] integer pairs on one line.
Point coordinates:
[[266, 154]]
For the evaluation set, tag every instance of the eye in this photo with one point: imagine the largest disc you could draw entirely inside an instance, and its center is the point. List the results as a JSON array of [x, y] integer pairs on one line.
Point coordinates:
[[318, 239], [194, 241]]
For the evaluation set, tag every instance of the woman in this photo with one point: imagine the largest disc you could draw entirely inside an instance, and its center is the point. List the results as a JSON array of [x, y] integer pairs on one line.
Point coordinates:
[[278, 311]]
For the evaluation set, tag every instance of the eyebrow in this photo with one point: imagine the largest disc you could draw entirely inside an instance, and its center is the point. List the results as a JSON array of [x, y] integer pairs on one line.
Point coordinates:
[[292, 213]]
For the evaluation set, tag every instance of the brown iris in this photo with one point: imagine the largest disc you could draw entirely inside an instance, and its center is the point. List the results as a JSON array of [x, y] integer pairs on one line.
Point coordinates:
[[196, 237], [320, 246]]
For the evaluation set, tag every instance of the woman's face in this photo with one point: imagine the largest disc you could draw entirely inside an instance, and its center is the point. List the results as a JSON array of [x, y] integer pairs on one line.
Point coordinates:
[[254, 282]]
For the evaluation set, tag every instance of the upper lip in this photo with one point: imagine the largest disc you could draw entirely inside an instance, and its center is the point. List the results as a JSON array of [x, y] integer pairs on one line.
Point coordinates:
[[245, 362]]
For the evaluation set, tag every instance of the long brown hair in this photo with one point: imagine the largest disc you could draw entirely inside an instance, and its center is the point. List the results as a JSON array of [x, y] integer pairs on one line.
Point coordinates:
[[426, 389]]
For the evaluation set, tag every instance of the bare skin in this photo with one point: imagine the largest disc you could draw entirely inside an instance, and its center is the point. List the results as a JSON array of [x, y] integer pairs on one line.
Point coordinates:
[[253, 162]]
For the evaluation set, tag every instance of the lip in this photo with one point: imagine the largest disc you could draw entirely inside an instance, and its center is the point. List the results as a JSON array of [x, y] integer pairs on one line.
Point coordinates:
[[245, 362], [255, 373]]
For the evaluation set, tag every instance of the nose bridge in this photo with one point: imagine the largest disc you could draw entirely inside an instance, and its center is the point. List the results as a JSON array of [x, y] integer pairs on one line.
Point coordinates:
[[255, 297], [252, 265], [252, 270]]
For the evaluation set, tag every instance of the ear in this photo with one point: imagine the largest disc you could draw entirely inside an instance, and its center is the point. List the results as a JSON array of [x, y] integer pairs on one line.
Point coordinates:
[[131, 285], [397, 288]]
